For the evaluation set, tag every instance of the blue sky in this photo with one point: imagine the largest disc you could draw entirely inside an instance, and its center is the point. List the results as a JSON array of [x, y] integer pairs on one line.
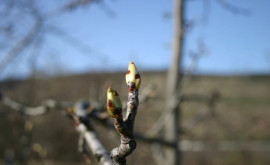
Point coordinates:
[[139, 32]]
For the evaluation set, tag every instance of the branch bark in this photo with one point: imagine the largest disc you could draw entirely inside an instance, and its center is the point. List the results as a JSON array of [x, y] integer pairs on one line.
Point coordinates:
[[125, 128], [95, 145]]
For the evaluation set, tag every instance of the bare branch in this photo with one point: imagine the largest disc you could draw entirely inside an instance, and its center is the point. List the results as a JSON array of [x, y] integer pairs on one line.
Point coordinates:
[[125, 129], [69, 6], [76, 43], [125, 126], [95, 145], [33, 111], [21, 45], [234, 9]]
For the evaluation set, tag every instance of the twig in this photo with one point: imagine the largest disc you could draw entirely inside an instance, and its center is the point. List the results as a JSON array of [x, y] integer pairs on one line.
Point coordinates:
[[33, 111], [21, 45], [77, 44], [234, 9], [125, 129], [125, 126]]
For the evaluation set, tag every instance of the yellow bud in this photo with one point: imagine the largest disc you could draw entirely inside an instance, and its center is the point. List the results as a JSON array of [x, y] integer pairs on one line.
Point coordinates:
[[114, 103], [133, 78]]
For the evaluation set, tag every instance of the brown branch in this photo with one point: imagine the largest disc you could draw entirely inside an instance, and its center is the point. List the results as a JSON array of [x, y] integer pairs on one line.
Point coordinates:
[[125, 128]]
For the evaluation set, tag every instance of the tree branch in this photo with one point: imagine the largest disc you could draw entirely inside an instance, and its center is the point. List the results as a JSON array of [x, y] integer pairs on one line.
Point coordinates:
[[33, 111], [21, 45], [234, 9], [125, 128], [95, 145]]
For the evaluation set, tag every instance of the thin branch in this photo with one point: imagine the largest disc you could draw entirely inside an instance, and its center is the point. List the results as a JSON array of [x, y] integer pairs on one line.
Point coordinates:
[[180, 96], [71, 5], [174, 101], [125, 128], [33, 111], [234, 9], [21, 45], [77, 44]]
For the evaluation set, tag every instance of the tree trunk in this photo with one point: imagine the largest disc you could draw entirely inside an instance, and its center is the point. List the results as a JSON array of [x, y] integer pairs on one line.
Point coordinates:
[[173, 156]]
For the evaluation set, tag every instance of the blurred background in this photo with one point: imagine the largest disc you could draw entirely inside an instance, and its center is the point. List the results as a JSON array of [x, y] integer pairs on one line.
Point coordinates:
[[72, 50]]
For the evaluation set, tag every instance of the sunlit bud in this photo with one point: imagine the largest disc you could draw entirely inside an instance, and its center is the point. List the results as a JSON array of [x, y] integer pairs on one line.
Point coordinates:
[[133, 78], [114, 104]]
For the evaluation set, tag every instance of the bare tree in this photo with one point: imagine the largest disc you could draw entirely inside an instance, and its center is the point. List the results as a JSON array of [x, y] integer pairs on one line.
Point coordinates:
[[170, 119], [16, 41], [172, 125]]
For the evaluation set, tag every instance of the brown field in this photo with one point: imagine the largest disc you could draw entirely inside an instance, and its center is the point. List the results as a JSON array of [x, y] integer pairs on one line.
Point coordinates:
[[228, 109]]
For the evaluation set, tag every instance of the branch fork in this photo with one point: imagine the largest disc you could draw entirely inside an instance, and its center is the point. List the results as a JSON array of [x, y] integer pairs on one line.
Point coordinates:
[[124, 126]]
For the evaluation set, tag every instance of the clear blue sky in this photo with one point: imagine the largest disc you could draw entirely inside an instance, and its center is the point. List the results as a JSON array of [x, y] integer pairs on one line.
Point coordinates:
[[139, 32]]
